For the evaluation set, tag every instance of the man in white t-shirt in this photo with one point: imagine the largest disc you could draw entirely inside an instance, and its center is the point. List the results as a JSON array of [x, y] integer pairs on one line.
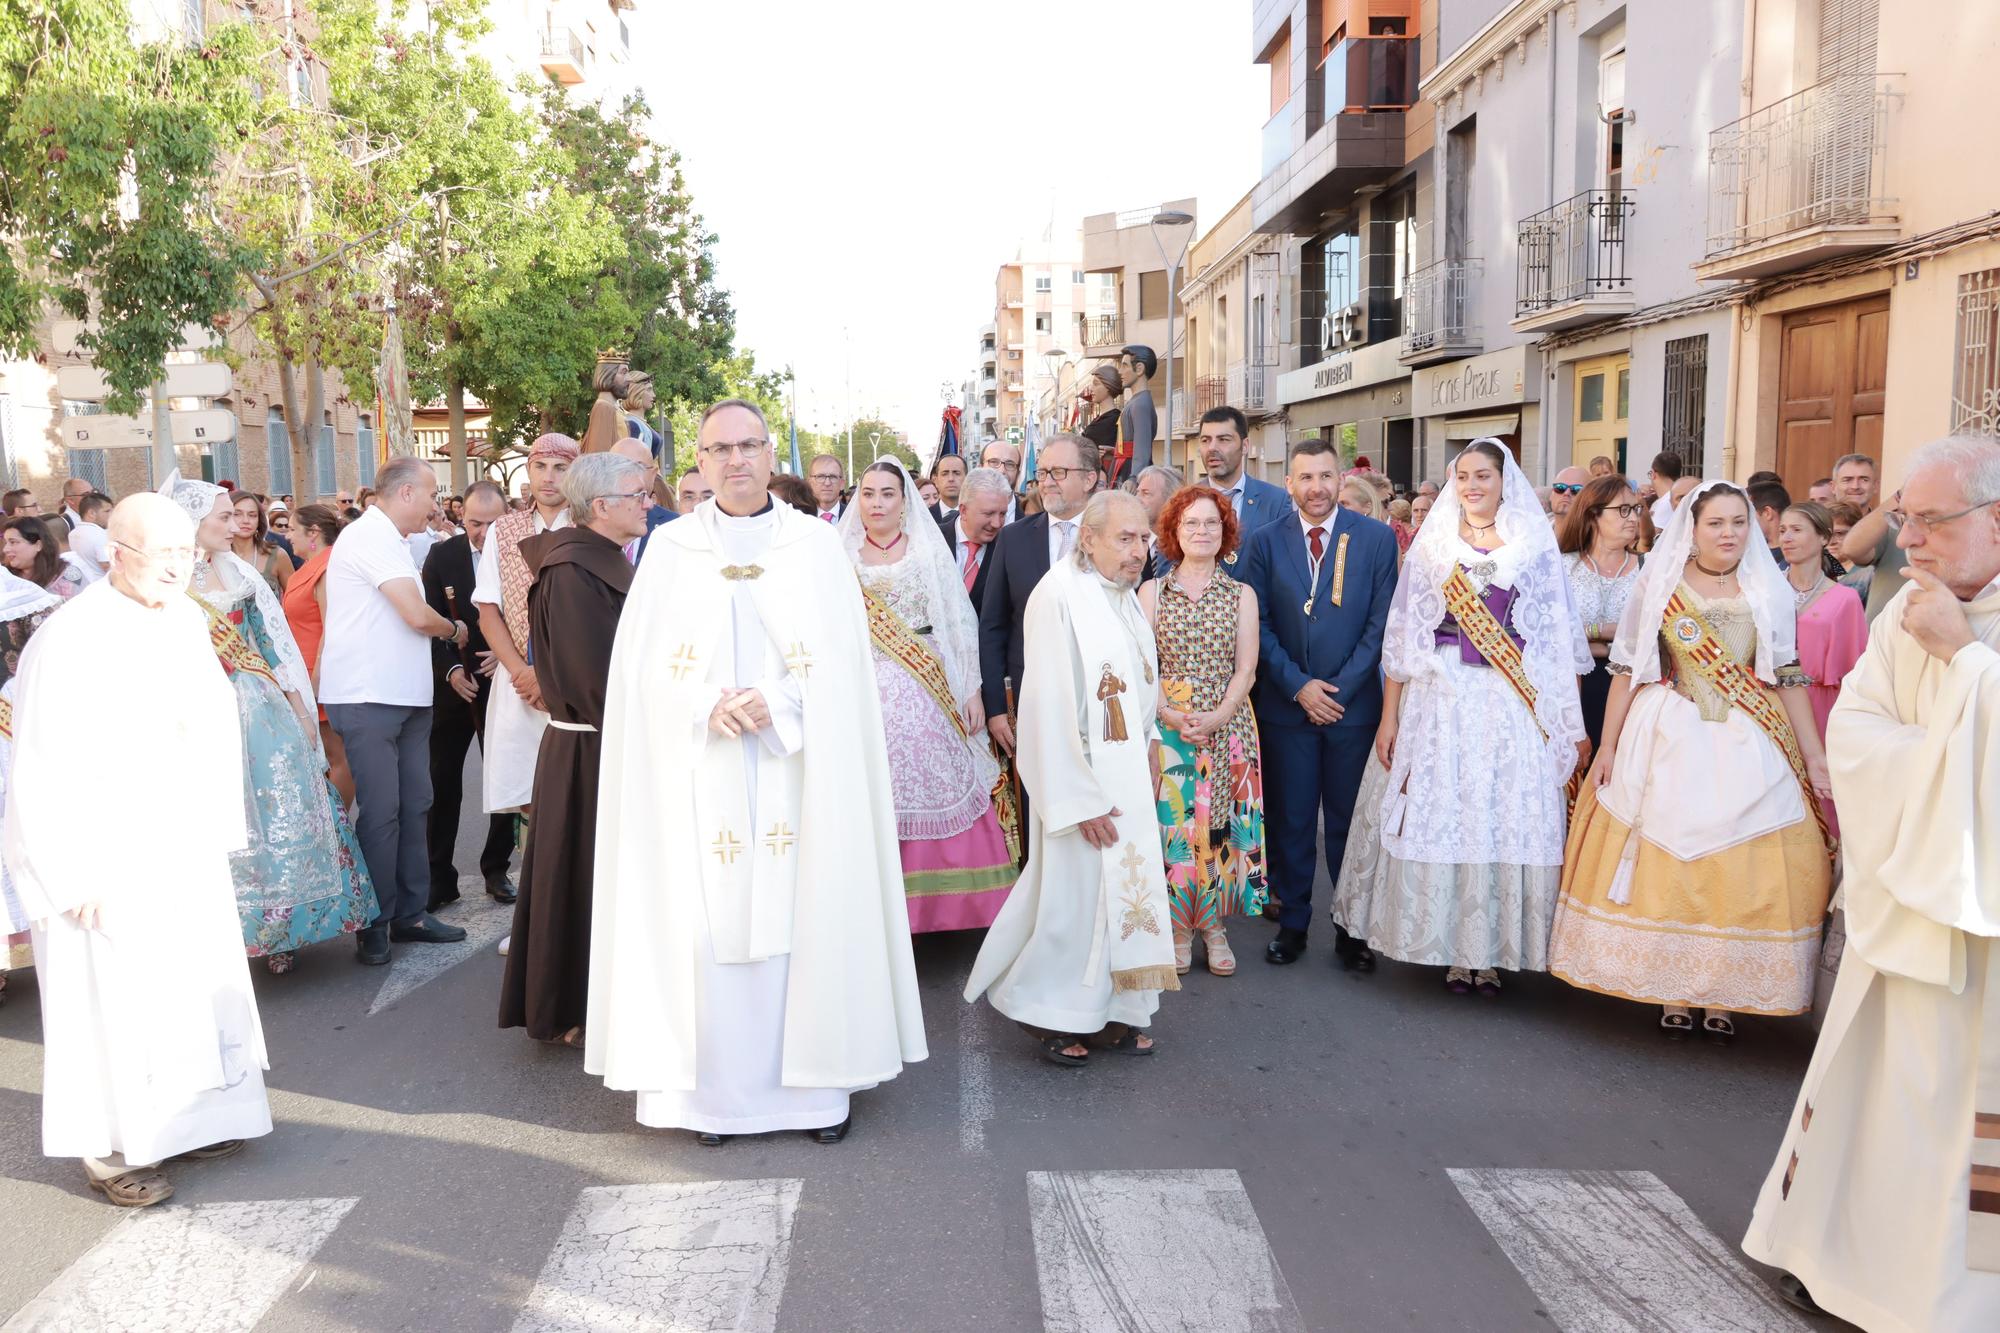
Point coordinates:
[[1666, 471], [88, 540], [375, 680]]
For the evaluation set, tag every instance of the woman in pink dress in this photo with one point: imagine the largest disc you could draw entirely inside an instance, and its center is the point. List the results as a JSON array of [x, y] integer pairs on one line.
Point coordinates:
[[1833, 630]]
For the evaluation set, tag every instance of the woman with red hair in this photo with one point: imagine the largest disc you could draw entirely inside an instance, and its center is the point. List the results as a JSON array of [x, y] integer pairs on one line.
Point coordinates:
[[1211, 797]]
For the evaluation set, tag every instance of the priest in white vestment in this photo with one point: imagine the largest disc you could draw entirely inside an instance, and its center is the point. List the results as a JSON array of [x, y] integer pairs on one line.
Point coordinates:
[[750, 961], [1083, 946], [151, 1043], [1883, 1206]]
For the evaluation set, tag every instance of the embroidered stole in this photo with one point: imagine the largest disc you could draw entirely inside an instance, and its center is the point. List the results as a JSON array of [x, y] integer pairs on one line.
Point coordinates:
[[907, 649], [1982, 1223], [515, 577], [231, 648], [1735, 682], [1479, 626]]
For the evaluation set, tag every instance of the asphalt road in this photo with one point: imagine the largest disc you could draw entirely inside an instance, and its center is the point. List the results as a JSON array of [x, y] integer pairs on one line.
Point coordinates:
[[1308, 1150]]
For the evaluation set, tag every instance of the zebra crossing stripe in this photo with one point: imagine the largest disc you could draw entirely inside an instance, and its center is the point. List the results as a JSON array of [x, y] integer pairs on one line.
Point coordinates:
[[415, 965], [207, 1268], [693, 1257], [1154, 1250], [1619, 1252]]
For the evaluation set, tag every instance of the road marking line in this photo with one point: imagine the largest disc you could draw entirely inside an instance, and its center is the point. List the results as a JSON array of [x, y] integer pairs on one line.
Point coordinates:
[[485, 921], [704, 1256], [1617, 1251], [975, 1078], [206, 1268], [1154, 1250]]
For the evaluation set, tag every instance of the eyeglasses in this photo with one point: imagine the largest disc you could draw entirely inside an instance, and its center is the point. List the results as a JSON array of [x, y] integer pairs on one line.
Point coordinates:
[[176, 555], [1201, 525], [1568, 488], [1925, 524], [28, 507], [1059, 475], [627, 495], [740, 449], [1625, 511]]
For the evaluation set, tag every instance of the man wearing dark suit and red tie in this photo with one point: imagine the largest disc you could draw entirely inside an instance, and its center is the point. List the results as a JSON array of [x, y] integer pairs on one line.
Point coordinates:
[[459, 713], [972, 528], [1324, 578]]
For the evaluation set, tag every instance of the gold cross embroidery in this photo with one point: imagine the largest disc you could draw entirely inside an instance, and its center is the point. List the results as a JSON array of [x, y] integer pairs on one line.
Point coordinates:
[[1132, 862], [780, 839], [799, 660], [682, 661], [726, 848]]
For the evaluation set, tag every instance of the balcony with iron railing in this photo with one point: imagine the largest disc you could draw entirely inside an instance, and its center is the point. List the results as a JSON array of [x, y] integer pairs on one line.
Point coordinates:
[[1210, 392], [1249, 387], [1354, 138], [563, 55], [1440, 312], [1100, 331], [1802, 180], [1570, 268]]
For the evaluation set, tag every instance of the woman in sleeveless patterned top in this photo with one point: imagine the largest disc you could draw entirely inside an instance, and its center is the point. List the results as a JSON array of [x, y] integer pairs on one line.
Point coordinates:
[[1697, 871], [1211, 798]]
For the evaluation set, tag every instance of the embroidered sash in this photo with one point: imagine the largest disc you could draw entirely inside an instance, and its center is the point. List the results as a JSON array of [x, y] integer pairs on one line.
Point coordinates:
[[1733, 681], [231, 648], [515, 577], [6, 719], [905, 647], [1485, 633]]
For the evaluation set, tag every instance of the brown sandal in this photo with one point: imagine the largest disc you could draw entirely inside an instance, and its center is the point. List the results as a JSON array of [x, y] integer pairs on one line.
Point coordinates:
[[135, 1189], [226, 1148]]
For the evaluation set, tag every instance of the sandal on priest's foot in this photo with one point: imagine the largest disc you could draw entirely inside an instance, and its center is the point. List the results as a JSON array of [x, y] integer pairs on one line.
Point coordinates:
[[1676, 1024], [1133, 1041], [831, 1133], [226, 1148], [1057, 1051], [1718, 1029], [708, 1140], [135, 1189]]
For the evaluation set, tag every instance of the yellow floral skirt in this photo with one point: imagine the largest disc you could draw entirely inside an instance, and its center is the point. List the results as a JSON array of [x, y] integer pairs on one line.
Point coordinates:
[[1738, 929]]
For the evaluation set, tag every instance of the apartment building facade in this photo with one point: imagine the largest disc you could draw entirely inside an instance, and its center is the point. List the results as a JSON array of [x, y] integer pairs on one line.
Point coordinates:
[[1237, 337]]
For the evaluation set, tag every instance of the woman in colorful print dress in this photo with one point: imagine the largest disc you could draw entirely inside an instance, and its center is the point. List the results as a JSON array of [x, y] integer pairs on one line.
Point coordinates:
[[300, 879], [1211, 798], [958, 865]]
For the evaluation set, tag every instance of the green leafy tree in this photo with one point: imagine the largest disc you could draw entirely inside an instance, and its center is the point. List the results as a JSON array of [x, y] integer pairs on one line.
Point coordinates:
[[111, 148]]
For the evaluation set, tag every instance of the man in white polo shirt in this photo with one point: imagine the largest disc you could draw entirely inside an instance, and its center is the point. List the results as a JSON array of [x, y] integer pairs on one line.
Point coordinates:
[[375, 680]]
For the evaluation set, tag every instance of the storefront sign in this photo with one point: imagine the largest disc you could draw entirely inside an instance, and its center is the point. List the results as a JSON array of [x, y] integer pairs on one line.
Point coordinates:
[[1341, 371], [1499, 379]]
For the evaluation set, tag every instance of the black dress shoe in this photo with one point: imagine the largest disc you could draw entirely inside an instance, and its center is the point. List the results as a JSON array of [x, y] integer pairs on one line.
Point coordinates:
[[1354, 956], [1288, 947], [711, 1140], [1795, 1291], [501, 890], [832, 1133], [371, 946], [425, 929]]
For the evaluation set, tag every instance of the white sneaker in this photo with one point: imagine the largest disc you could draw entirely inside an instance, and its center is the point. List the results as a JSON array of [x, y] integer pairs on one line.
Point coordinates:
[[505, 941]]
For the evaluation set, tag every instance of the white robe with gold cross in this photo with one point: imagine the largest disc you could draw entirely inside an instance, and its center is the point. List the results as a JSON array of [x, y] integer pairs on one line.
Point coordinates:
[[750, 950], [1867, 1201]]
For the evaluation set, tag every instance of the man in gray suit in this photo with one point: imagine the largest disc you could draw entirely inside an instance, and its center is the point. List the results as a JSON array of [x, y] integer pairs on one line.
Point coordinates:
[[1257, 503]]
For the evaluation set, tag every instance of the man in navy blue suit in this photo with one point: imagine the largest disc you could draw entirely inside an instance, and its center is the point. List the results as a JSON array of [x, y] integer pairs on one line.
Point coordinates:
[[1323, 579], [1258, 504]]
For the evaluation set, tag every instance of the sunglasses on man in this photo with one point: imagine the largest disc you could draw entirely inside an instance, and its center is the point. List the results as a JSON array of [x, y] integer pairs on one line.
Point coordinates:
[[1568, 488]]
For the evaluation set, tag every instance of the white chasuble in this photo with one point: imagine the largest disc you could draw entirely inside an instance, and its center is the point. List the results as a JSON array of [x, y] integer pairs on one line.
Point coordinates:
[[151, 1041], [750, 951], [1885, 1197], [1085, 937]]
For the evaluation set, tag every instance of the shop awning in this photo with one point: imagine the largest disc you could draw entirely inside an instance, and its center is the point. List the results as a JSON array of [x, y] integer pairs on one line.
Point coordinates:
[[1472, 428]]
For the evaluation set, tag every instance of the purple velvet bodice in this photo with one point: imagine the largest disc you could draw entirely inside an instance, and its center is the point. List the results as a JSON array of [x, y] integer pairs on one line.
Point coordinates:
[[1500, 601]]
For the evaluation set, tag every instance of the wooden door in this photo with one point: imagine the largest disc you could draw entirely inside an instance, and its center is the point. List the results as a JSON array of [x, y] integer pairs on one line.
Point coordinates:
[[1833, 366], [1601, 421]]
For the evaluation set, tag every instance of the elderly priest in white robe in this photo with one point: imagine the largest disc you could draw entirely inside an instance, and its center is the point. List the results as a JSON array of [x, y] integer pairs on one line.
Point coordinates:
[[1883, 1206], [1083, 946], [151, 1046], [750, 960]]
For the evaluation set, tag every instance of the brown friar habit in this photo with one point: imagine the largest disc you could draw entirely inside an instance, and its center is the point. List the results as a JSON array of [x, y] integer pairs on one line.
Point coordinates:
[[580, 582]]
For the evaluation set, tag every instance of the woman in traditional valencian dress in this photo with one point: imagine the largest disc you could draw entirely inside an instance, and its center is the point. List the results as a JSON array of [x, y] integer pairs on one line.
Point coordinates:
[[1697, 869], [1833, 623], [300, 878], [957, 861], [1599, 539], [1456, 852], [1211, 799]]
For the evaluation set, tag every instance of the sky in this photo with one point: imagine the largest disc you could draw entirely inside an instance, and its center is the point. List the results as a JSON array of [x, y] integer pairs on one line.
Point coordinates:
[[866, 167]]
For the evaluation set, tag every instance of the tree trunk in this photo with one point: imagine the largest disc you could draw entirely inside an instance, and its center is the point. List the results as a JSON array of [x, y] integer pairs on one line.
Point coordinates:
[[305, 430], [288, 393], [454, 409]]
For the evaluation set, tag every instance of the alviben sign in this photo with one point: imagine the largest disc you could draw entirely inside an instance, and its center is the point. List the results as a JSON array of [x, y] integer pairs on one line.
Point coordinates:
[[1339, 372]]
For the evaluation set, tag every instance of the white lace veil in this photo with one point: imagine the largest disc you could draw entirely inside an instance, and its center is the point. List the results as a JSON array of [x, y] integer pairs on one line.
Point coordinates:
[[1555, 651], [954, 629], [1761, 578]]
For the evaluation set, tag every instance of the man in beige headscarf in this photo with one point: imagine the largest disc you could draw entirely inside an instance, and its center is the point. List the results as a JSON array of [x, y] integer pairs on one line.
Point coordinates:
[[1884, 1204]]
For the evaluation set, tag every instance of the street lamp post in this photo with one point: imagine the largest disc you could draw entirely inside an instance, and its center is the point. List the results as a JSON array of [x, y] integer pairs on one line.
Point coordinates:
[[1052, 359], [1172, 217]]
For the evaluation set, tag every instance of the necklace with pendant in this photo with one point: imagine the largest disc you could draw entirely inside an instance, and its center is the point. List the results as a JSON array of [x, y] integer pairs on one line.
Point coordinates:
[[1799, 599], [879, 546]]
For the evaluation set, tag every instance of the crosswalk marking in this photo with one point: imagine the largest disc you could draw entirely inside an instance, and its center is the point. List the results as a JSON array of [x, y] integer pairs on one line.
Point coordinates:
[[1618, 1252], [691, 1257], [1154, 1250], [415, 965], [208, 1268]]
